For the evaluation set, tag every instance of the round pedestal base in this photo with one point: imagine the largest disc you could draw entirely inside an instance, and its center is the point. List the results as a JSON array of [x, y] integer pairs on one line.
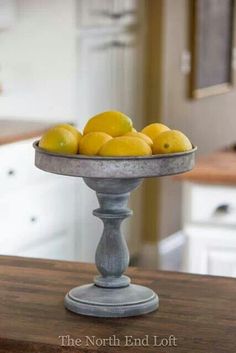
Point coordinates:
[[92, 300]]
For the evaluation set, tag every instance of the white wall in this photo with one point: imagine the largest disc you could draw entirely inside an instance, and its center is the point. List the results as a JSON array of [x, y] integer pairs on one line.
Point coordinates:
[[38, 61]]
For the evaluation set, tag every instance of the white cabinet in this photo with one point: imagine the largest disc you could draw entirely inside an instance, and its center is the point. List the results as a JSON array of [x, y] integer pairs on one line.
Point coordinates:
[[36, 208], [211, 250], [210, 204], [222, 262], [110, 75], [210, 228], [17, 170]]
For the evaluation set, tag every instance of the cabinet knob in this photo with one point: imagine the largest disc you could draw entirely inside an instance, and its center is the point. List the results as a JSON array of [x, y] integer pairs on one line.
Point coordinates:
[[11, 172], [33, 219], [223, 209], [118, 44], [120, 15]]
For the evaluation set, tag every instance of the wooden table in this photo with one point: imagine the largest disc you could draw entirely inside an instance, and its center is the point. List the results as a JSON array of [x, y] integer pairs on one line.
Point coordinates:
[[196, 314]]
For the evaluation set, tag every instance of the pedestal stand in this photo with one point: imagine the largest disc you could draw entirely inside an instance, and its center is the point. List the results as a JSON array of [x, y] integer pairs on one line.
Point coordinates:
[[111, 294]]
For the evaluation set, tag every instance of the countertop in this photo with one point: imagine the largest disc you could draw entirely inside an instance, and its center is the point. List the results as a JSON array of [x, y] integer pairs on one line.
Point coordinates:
[[197, 314], [17, 130], [216, 168]]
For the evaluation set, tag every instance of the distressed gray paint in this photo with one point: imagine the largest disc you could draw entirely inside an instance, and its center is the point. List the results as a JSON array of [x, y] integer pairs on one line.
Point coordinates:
[[111, 294], [114, 167]]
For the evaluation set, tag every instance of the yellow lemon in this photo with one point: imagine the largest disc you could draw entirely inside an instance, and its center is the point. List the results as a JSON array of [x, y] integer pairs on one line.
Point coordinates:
[[133, 130], [113, 123], [125, 146], [141, 136], [171, 141], [59, 140], [153, 130], [91, 143], [72, 129]]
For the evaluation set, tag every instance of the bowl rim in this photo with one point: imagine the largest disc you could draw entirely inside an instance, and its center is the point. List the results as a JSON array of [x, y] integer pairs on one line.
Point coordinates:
[[99, 158]]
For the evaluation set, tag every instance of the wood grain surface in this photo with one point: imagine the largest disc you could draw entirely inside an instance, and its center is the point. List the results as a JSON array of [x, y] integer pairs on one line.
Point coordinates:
[[18, 130], [199, 311], [216, 168]]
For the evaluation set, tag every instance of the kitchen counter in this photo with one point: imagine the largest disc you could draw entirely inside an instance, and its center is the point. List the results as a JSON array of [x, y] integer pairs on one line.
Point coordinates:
[[197, 313], [17, 130], [216, 168]]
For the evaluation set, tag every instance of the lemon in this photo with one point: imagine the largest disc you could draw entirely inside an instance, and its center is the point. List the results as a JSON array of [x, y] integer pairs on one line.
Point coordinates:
[[72, 129], [171, 141], [59, 140], [133, 129], [125, 146], [91, 143], [113, 123], [153, 130], [141, 136]]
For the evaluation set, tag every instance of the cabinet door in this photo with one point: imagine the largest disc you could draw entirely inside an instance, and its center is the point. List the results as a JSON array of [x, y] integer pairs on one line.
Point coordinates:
[[34, 216], [128, 76], [94, 79], [110, 75], [18, 169]]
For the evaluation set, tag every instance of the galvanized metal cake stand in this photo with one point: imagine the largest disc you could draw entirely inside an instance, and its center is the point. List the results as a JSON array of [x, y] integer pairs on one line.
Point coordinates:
[[111, 294]]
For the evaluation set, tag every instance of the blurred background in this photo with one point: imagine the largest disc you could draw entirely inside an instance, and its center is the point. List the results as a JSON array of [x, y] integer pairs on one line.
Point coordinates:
[[156, 61]]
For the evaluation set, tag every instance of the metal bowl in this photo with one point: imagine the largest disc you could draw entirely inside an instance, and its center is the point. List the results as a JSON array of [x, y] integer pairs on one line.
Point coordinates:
[[114, 167]]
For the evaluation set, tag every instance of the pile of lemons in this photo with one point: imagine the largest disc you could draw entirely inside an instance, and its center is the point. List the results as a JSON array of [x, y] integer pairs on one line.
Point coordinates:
[[112, 134]]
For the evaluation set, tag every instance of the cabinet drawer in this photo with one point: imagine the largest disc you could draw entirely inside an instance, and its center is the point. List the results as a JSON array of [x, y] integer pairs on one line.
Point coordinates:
[[17, 166], [109, 12], [222, 262], [210, 250], [211, 204], [30, 216]]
